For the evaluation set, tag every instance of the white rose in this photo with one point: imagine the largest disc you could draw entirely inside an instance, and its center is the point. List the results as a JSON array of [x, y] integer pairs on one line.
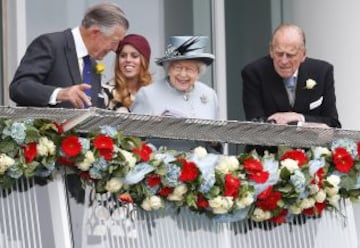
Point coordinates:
[[313, 189], [334, 200], [295, 209], [87, 162], [200, 152], [333, 179], [227, 164], [221, 204], [260, 215], [129, 157], [332, 190], [244, 201], [5, 163], [320, 196], [114, 185], [307, 203], [290, 164], [178, 193], [152, 203], [310, 84]]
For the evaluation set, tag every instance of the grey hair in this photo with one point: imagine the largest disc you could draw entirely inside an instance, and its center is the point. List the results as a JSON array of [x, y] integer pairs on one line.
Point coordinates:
[[105, 15], [201, 65]]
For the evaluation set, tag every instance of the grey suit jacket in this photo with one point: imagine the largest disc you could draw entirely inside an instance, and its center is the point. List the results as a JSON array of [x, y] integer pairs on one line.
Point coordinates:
[[50, 62]]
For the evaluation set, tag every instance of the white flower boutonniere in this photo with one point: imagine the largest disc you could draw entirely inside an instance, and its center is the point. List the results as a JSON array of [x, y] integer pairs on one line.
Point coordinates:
[[310, 84]]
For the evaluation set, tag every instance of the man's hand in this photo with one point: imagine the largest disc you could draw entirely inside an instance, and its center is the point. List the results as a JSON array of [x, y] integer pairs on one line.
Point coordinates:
[[286, 117], [75, 95]]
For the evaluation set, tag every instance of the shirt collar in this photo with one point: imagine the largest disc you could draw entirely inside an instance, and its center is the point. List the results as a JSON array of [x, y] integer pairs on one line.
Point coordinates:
[[80, 47]]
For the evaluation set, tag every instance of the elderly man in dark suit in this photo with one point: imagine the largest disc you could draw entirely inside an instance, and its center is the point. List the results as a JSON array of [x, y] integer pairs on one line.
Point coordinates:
[[286, 87], [50, 73]]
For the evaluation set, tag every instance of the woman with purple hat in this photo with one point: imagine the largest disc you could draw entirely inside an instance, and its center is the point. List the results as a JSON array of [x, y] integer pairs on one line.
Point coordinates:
[[180, 94], [131, 73]]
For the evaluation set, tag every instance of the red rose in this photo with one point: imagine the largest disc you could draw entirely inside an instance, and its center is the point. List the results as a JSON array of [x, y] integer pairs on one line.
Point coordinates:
[[266, 193], [59, 127], [259, 177], [71, 146], [85, 175], [144, 152], [201, 202], [164, 192], [255, 170], [189, 171], [232, 185], [65, 161], [105, 145], [153, 180], [318, 177], [125, 198], [280, 218], [30, 152], [297, 155], [252, 165], [316, 210], [358, 149], [269, 200], [342, 160]]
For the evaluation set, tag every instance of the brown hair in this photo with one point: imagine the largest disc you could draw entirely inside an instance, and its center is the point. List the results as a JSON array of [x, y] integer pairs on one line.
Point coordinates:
[[121, 93]]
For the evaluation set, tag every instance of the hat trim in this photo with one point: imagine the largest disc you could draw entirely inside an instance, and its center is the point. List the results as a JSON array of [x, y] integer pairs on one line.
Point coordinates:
[[204, 57]]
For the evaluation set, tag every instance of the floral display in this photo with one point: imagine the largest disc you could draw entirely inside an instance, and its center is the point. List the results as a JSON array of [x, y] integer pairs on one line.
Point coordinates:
[[273, 187]]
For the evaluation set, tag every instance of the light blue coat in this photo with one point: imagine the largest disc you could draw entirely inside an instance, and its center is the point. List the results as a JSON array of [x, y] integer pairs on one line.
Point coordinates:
[[161, 99]]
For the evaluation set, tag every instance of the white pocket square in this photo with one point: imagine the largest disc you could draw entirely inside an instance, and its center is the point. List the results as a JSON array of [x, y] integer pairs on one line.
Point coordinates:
[[316, 103]]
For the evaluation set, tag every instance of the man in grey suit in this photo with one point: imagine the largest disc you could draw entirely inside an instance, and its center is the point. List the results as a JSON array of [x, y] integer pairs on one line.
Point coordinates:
[[49, 74], [286, 87]]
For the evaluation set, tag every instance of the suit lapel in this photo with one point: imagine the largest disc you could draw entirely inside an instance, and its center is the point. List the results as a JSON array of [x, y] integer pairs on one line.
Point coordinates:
[[71, 58], [301, 96], [279, 93]]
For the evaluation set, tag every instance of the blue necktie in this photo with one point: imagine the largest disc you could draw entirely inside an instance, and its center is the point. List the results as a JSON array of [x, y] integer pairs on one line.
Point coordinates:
[[87, 73], [291, 86]]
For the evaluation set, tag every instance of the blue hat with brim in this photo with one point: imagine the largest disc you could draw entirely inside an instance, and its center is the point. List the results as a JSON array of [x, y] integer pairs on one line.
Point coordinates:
[[186, 48]]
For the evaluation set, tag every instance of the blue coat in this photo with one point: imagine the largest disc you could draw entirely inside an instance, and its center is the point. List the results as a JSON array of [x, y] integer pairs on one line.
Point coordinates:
[[160, 98]]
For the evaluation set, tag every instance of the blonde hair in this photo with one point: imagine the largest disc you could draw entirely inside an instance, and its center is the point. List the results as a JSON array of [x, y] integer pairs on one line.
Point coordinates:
[[121, 91]]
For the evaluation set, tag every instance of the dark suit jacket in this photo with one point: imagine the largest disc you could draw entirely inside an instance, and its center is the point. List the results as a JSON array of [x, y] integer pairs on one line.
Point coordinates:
[[50, 61], [264, 92]]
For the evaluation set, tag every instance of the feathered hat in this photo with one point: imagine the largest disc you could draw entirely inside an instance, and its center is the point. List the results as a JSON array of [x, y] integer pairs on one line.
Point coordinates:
[[186, 48]]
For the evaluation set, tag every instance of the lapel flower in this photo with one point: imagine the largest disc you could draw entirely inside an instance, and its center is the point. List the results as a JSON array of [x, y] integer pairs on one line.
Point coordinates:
[[310, 84], [99, 68]]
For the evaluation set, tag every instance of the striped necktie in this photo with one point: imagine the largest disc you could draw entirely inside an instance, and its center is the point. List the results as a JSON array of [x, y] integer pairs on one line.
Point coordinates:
[[290, 84]]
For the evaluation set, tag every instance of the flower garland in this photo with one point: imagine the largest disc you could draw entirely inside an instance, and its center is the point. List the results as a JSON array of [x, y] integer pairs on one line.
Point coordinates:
[[227, 188]]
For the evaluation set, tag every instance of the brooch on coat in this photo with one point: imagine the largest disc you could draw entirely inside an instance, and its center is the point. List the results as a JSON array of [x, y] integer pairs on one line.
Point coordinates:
[[203, 99]]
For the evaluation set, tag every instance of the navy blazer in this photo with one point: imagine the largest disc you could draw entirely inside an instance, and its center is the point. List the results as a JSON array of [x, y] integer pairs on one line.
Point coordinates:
[[264, 92], [50, 62]]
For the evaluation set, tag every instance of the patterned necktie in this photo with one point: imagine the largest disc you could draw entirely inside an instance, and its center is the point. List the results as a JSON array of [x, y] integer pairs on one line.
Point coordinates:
[[291, 87], [87, 73]]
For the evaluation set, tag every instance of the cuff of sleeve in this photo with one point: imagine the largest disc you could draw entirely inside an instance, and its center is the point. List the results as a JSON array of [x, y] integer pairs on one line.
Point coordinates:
[[53, 97]]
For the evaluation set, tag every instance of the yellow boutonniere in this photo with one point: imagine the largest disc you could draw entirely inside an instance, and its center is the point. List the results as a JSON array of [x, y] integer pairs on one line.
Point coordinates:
[[99, 68], [310, 84]]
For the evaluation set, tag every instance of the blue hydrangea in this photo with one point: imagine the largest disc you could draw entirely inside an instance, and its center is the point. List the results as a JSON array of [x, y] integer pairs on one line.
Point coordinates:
[[14, 172], [85, 144], [298, 180], [172, 175], [108, 130], [16, 131], [45, 171], [95, 173], [101, 164]]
